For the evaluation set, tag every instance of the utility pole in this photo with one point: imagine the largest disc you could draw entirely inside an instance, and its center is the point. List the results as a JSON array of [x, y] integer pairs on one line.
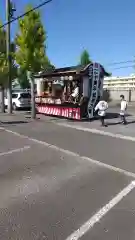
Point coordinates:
[[9, 90]]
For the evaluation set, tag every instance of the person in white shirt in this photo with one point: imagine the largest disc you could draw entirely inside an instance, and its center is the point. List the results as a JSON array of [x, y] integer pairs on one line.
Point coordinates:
[[101, 107], [123, 108], [75, 93]]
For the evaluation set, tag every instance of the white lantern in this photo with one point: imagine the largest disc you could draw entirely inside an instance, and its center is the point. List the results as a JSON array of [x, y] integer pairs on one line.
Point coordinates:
[[62, 78], [66, 77], [70, 78]]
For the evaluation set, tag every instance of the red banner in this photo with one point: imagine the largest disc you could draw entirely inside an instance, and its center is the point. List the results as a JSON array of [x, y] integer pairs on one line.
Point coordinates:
[[66, 112]]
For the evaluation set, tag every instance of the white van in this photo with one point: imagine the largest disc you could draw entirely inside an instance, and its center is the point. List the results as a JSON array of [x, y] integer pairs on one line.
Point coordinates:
[[20, 100]]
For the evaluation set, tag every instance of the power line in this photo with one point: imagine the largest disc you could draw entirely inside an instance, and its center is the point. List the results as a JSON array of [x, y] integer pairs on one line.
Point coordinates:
[[123, 62], [48, 1], [124, 67], [26, 13]]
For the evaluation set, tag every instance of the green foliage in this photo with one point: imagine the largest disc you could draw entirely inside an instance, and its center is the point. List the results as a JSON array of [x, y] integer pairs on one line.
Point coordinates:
[[46, 65], [22, 79], [30, 42], [4, 60], [85, 58], [109, 74], [4, 71], [2, 39]]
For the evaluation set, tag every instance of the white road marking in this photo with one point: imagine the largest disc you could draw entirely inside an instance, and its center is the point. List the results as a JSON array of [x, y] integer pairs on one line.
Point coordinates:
[[101, 213], [97, 131], [56, 148], [14, 151]]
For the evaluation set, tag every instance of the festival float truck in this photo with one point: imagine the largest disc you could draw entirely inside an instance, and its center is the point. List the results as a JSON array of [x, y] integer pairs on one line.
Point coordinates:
[[70, 92]]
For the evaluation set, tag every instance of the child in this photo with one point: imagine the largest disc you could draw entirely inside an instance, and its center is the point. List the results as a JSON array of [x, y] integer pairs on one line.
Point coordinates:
[[101, 107], [123, 108]]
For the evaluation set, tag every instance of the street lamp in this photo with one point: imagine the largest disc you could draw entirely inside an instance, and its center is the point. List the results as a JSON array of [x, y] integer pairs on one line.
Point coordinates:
[[10, 9]]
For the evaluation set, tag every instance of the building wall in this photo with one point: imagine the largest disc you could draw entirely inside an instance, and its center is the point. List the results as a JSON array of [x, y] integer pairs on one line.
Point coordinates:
[[119, 82], [116, 86], [114, 95]]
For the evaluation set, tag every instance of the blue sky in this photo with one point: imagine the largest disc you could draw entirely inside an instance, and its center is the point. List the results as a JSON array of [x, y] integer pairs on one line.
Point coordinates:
[[105, 28]]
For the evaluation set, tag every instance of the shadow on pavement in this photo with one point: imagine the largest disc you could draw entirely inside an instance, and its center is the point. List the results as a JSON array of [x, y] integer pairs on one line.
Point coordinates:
[[108, 116], [119, 123], [13, 122], [130, 122], [114, 115]]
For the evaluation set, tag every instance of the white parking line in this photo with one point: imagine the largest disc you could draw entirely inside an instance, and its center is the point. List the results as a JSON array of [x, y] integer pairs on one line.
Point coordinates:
[[14, 151], [101, 213], [56, 148], [97, 131]]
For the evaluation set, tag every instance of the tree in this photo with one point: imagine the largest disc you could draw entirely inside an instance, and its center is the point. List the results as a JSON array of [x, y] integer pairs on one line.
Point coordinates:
[[23, 79], [3, 71], [109, 74], [47, 66], [2, 40], [4, 65], [22, 74], [31, 47], [85, 58], [4, 76]]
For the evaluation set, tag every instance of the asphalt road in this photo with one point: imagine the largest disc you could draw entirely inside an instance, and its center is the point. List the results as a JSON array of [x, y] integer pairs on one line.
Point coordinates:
[[57, 179]]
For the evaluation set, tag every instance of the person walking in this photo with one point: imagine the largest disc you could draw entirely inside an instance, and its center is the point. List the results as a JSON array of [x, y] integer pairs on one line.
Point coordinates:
[[101, 107], [123, 108]]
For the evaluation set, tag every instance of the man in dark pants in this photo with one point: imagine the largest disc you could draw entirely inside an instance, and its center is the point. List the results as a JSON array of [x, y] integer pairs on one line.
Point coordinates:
[[102, 119], [101, 107]]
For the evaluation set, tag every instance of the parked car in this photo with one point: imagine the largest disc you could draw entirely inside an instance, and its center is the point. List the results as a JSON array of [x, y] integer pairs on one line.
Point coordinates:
[[20, 100]]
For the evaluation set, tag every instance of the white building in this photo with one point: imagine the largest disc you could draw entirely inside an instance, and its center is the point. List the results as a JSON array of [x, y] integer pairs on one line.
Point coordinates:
[[120, 83]]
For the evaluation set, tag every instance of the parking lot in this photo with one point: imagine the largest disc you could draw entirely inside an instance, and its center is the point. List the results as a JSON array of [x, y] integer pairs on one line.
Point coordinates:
[[53, 192]]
